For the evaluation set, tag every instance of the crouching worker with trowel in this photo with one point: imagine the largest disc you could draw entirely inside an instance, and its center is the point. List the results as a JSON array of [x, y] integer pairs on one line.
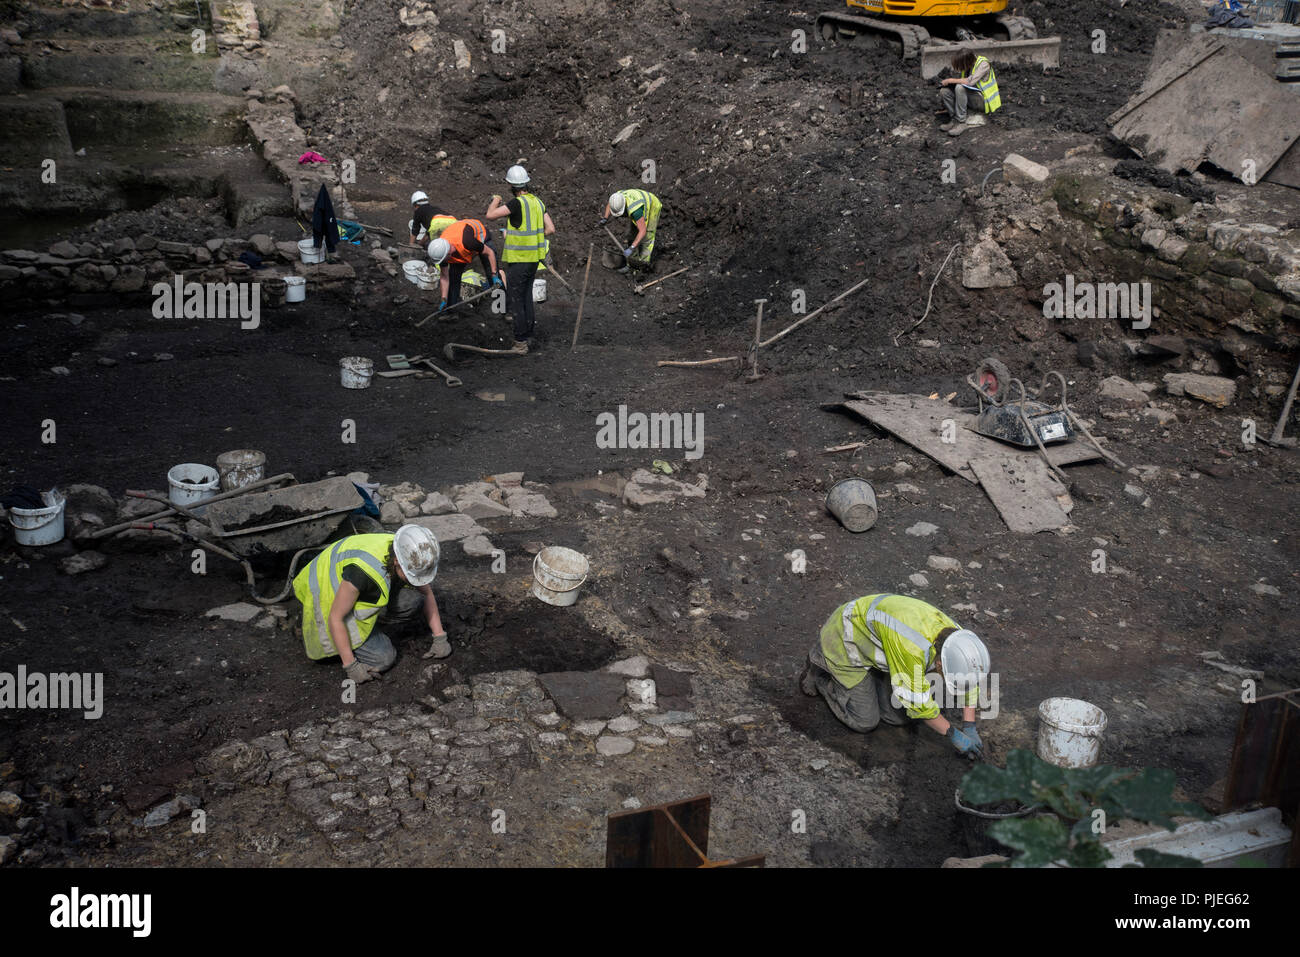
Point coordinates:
[[357, 583], [871, 661]]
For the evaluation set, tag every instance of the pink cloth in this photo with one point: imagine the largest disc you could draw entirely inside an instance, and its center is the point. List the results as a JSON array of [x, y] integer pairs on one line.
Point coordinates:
[[312, 157]]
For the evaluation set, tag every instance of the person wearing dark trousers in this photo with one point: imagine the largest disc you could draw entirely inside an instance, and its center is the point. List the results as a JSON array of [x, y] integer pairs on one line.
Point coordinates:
[[456, 247], [524, 249]]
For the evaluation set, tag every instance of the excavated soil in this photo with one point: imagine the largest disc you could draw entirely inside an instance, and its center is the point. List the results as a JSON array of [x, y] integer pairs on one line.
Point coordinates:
[[779, 172]]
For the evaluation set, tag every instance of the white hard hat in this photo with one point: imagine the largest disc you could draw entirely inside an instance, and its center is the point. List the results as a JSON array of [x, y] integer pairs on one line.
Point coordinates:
[[965, 661], [418, 197], [438, 249], [617, 204], [417, 553], [517, 176]]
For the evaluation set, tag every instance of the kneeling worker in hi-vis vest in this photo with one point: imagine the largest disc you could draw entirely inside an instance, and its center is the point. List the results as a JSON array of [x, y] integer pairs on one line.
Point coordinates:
[[427, 220], [974, 89], [643, 208], [523, 250], [457, 246], [355, 584], [876, 651]]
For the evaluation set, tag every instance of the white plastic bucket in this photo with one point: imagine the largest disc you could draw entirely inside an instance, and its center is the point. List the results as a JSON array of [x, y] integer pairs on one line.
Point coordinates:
[[240, 467], [423, 274], [539, 290], [1069, 732], [558, 573], [355, 372], [309, 253], [190, 484], [295, 288], [39, 526], [853, 502]]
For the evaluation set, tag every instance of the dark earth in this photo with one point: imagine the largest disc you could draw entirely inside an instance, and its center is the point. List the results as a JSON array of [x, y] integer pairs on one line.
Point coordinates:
[[820, 198]]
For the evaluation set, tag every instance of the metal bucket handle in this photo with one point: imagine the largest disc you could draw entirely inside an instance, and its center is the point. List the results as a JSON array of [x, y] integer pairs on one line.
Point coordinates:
[[561, 591]]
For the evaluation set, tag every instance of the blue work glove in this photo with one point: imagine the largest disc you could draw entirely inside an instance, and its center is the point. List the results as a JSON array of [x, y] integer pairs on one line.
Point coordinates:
[[973, 733], [629, 251], [442, 305], [966, 745], [496, 281], [603, 221]]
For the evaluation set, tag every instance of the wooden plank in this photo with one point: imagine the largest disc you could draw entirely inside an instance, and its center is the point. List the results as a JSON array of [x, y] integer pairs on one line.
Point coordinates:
[[919, 421], [1024, 492]]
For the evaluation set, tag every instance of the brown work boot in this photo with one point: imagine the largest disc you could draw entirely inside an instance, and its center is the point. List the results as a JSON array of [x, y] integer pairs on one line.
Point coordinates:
[[945, 127], [808, 679], [520, 348], [958, 129]]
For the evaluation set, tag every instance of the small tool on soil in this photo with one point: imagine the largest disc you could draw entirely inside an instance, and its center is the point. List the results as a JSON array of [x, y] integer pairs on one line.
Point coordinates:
[[754, 374], [464, 302], [452, 381], [642, 287], [582, 300], [1276, 437], [554, 272], [449, 350], [398, 361]]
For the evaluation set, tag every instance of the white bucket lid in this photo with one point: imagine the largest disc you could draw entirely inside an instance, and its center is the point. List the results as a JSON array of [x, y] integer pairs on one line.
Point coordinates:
[[295, 280]]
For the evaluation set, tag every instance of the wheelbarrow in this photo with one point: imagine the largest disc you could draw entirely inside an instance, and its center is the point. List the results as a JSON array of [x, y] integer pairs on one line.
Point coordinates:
[[284, 520]]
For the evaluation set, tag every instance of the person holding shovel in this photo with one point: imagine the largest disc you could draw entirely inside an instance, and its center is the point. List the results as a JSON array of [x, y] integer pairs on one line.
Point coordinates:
[[355, 584], [457, 246], [877, 650], [643, 208], [523, 250]]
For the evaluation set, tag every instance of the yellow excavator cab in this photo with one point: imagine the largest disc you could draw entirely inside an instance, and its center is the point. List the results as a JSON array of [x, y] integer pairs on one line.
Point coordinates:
[[930, 8]]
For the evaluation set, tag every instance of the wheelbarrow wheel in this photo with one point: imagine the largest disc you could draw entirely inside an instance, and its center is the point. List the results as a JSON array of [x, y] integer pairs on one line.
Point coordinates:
[[991, 378]]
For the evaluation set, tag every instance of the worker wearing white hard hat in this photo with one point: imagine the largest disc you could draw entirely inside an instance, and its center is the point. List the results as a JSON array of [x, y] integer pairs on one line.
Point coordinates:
[[358, 584], [528, 228], [871, 661], [427, 220], [643, 209]]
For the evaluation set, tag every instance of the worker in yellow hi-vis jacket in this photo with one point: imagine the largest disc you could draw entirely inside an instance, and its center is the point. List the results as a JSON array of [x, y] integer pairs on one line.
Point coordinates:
[[871, 660]]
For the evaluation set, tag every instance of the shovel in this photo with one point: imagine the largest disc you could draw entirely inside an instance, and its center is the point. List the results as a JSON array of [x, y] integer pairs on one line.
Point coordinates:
[[449, 350], [478, 295]]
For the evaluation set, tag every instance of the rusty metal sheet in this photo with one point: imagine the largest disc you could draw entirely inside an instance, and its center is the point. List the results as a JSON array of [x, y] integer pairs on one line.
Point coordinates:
[[1026, 494]]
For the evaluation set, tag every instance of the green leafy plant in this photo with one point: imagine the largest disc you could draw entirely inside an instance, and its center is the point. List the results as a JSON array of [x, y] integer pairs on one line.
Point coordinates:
[[1069, 835]]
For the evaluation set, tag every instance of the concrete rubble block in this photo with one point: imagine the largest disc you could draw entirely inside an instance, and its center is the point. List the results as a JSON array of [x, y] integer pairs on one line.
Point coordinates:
[[941, 563], [648, 488], [478, 546], [612, 745], [525, 503], [623, 724], [552, 739], [922, 529], [463, 59], [390, 513], [584, 695], [1025, 172], [417, 14], [986, 266], [1216, 390], [507, 480], [168, 810], [262, 244], [450, 528], [1119, 390], [589, 729], [480, 506], [635, 667], [83, 562], [240, 611], [918, 580], [435, 503], [641, 691]]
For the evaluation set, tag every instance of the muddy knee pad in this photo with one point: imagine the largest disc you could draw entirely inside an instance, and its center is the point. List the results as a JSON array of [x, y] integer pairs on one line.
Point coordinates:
[[377, 651]]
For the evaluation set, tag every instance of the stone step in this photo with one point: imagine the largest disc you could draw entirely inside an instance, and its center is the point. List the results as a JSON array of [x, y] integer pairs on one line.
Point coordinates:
[[57, 23], [121, 66]]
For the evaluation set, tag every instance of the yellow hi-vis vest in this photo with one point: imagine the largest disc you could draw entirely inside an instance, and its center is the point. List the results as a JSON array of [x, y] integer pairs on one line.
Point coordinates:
[[988, 87], [649, 203], [317, 585], [894, 634], [527, 244]]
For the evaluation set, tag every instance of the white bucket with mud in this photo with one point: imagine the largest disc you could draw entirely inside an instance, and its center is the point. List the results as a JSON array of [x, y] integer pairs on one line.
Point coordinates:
[[240, 467], [853, 502], [539, 290], [558, 573], [310, 253], [190, 484], [39, 526], [295, 288], [1069, 732], [355, 372]]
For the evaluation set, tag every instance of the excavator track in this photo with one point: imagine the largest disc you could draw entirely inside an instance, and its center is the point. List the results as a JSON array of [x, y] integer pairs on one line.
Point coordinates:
[[911, 36], [1018, 28]]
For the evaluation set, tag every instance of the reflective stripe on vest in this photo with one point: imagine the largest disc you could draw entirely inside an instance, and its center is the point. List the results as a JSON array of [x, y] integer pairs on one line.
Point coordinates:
[[455, 236], [332, 561], [527, 244], [910, 634], [988, 87], [638, 197]]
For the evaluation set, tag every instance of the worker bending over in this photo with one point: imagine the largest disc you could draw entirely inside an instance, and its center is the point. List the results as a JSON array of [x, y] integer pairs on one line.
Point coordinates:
[[523, 250], [427, 220], [348, 588], [878, 649], [974, 89], [643, 209], [457, 246]]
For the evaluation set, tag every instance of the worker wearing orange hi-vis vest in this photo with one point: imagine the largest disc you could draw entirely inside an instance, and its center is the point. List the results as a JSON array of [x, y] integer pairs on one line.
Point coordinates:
[[871, 660]]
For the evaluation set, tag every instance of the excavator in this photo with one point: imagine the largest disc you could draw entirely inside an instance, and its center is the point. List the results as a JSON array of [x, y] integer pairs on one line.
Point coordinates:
[[937, 30]]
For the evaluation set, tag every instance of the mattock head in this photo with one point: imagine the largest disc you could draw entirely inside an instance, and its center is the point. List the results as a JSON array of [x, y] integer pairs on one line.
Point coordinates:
[[449, 350]]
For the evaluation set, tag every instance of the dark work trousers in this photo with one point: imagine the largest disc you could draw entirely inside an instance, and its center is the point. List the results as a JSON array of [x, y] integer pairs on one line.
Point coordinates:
[[519, 298], [454, 272]]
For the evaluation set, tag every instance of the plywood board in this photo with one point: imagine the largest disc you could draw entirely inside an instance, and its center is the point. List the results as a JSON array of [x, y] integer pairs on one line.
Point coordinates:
[[1025, 493]]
